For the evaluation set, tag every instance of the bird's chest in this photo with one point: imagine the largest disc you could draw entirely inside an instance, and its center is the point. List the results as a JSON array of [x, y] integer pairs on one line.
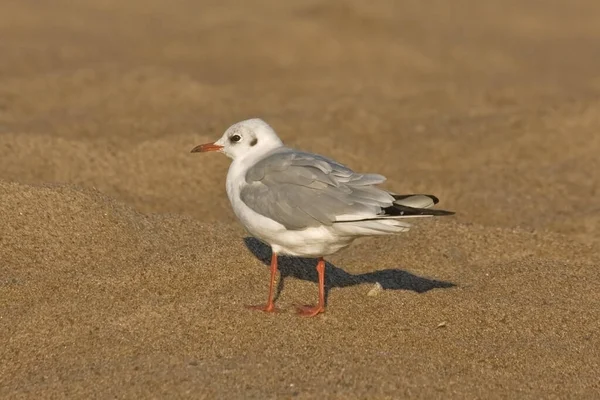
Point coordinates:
[[258, 225]]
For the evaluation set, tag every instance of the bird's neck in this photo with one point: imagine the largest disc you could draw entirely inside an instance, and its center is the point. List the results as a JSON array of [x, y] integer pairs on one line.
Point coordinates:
[[251, 158], [236, 176]]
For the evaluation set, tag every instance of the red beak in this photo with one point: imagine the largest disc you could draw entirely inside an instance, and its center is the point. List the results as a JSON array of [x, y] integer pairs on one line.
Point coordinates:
[[203, 148]]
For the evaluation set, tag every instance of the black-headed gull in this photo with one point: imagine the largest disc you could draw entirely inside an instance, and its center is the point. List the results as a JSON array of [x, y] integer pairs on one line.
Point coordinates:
[[304, 204]]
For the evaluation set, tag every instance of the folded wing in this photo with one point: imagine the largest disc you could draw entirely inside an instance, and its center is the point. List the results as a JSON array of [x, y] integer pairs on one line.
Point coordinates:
[[302, 190]]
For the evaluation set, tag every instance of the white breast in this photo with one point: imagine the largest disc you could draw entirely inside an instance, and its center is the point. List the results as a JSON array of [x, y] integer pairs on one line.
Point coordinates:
[[258, 225]]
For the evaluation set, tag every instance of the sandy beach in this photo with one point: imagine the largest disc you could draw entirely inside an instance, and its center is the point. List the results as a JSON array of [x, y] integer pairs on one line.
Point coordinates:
[[124, 273]]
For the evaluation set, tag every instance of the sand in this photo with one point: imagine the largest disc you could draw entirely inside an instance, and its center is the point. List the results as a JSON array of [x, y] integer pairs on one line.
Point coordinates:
[[124, 273]]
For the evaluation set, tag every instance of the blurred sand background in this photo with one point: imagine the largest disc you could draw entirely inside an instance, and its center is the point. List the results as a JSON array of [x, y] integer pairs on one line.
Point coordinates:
[[123, 272]]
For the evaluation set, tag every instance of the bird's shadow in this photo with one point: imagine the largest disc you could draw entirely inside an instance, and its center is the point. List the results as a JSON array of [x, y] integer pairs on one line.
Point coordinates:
[[335, 277]]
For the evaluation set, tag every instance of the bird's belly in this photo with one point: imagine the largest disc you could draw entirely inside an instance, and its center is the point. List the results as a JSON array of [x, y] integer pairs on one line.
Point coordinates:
[[311, 242]]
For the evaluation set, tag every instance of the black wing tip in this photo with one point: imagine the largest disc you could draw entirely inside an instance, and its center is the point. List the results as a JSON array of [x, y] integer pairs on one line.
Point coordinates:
[[434, 212], [404, 196], [445, 212], [397, 210]]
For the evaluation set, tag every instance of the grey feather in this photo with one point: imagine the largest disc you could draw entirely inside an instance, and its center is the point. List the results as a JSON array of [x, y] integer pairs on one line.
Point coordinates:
[[301, 190]]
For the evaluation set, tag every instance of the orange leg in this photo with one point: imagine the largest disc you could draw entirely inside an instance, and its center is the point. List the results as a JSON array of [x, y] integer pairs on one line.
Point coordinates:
[[270, 306], [311, 311]]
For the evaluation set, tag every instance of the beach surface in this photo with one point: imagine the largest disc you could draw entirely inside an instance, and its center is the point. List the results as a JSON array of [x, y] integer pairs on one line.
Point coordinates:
[[124, 273]]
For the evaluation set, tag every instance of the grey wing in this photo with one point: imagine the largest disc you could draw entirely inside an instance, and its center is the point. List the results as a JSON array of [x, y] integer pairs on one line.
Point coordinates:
[[301, 190]]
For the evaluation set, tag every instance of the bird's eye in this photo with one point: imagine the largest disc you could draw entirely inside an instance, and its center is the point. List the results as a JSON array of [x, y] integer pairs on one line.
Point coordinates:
[[235, 138]]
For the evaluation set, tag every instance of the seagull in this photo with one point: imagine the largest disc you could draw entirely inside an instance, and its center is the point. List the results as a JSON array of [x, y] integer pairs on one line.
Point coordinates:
[[304, 204]]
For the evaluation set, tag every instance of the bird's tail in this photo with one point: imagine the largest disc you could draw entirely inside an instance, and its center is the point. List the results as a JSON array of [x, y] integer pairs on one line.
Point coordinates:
[[413, 205], [392, 218]]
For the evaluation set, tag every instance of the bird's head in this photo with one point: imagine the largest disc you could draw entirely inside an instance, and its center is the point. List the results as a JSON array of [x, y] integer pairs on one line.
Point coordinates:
[[243, 139]]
